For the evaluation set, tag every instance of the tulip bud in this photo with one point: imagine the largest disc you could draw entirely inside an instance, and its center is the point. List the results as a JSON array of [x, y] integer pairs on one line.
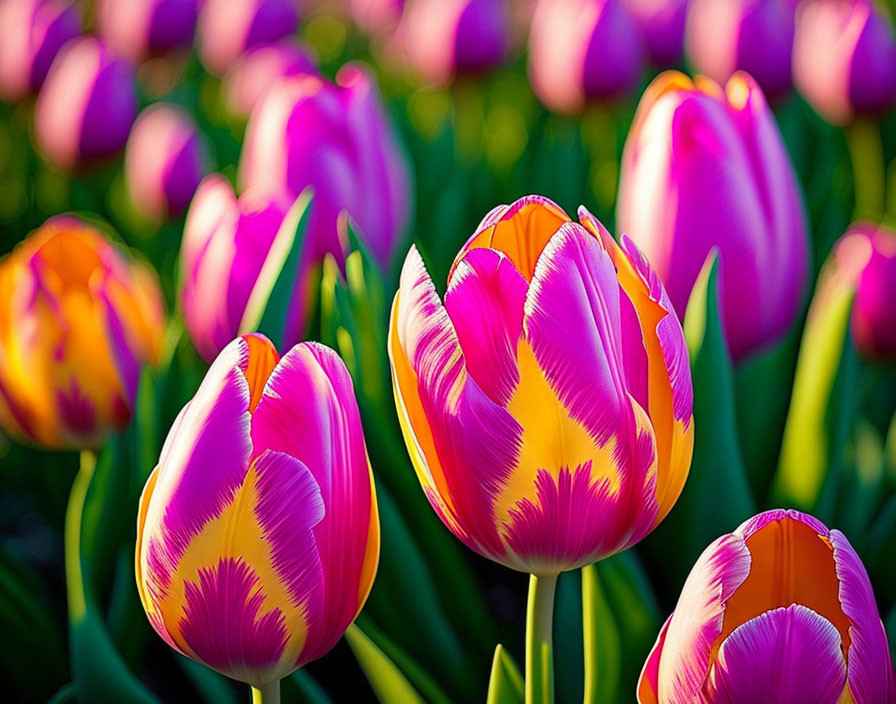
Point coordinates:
[[78, 319], [258, 533], [335, 138], [780, 610], [226, 242], [868, 251], [33, 33], [444, 38], [705, 168], [136, 28], [547, 403], [228, 27], [844, 59], [164, 161], [756, 36], [662, 27], [582, 50], [87, 105], [259, 68]]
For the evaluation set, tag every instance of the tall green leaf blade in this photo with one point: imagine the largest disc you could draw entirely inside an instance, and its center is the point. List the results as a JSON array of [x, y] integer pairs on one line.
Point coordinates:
[[506, 684]]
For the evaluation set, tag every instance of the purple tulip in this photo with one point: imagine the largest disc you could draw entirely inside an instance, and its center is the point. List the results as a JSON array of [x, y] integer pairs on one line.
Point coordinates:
[[844, 59], [227, 28], [582, 50], [33, 33], [706, 169], [867, 253], [87, 104], [226, 242], [139, 27], [259, 68], [662, 26], [756, 36], [445, 38], [164, 161]]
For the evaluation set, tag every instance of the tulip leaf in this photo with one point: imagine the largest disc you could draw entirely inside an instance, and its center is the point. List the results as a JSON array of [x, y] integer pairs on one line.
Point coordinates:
[[601, 640], [213, 687], [506, 684], [310, 692], [268, 305]]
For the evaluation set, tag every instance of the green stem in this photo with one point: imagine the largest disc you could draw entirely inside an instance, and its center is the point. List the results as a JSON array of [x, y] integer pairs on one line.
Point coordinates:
[[539, 634], [267, 694], [866, 152], [74, 573]]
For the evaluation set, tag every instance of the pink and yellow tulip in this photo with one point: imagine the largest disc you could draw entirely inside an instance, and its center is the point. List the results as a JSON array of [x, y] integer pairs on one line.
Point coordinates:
[[546, 404], [78, 320], [779, 611], [258, 533]]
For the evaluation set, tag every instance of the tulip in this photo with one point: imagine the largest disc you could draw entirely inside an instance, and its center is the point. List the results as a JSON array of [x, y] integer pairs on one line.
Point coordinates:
[[136, 28], [779, 611], [376, 16], [227, 28], [226, 242], [661, 23], [756, 36], [869, 251], [444, 38], [335, 138], [706, 169], [844, 59], [33, 33], [258, 533], [78, 319], [164, 161], [87, 104], [582, 50], [259, 68]]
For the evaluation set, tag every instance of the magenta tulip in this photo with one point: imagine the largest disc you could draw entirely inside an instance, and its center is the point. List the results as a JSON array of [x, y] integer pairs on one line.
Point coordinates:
[[706, 169], [137, 28], [662, 27]]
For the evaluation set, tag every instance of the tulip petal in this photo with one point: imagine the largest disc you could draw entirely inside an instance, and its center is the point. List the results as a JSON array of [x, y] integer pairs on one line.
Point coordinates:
[[786, 656], [648, 683]]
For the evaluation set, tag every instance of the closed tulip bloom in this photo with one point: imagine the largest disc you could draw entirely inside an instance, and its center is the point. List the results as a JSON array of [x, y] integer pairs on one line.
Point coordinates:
[[706, 169], [844, 60], [164, 161], [87, 104], [756, 36], [581, 50], [227, 28], [137, 28], [225, 244], [546, 404], [662, 26], [780, 611], [33, 33], [335, 138], [258, 533], [78, 320]]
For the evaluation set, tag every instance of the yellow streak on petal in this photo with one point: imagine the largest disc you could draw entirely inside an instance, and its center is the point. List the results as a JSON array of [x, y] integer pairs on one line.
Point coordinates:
[[372, 553]]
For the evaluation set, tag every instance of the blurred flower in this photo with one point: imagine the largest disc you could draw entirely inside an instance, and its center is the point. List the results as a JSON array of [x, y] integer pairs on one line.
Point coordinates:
[[705, 169], [225, 244], [258, 534], [259, 68], [445, 38], [662, 27], [868, 252], [87, 104], [337, 139], [228, 27], [376, 16], [78, 320], [136, 28], [756, 36], [546, 405], [781, 610], [844, 58], [33, 33], [164, 161], [582, 50]]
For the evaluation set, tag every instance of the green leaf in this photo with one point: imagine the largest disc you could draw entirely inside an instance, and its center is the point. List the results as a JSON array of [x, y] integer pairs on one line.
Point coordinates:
[[601, 638], [213, 687], [268, 305], [310, 692], [506, 684]]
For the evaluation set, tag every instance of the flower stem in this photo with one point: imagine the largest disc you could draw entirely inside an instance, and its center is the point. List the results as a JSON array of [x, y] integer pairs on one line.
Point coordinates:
[[539, 634], [866, 153], [267, 694], [74, 577]]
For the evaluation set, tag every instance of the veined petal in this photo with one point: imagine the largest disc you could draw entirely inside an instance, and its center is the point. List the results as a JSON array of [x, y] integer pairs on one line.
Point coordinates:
[[648, 683]]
